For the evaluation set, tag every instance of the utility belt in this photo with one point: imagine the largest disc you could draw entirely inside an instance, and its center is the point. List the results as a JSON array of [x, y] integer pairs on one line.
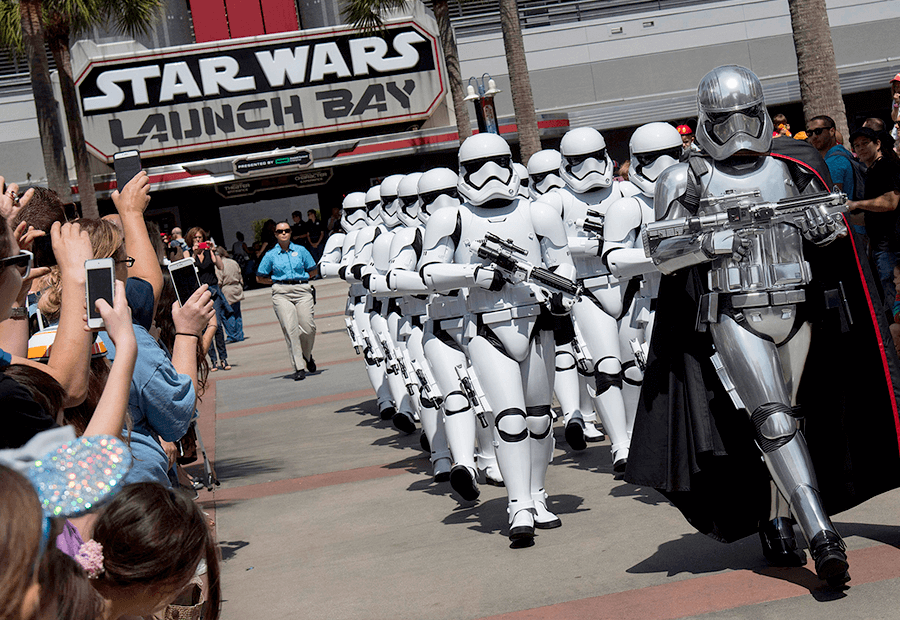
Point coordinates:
[[712, 305], [602, 281], [741, 278]]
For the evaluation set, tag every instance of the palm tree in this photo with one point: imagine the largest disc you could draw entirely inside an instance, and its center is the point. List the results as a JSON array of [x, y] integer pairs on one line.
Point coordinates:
[[31, 38], [367, 16], [820, 85], [63, 19], [519, 81]]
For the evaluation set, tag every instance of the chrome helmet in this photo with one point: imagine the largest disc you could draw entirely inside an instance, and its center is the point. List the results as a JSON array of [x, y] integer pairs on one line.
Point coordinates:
[[732, 113]]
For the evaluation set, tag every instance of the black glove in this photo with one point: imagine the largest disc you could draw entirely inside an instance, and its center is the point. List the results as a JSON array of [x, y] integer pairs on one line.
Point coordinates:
[[356, 270], [366, 280], [342, 273]]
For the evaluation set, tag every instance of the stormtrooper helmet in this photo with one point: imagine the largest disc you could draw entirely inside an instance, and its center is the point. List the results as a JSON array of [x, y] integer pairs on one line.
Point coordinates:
[[524, 180], [485, 170], [373, 204], [732, 113], [408, 198], [586, 165], [354, 211], [654, 147], [390, 206], [437, 189], [543, 168]]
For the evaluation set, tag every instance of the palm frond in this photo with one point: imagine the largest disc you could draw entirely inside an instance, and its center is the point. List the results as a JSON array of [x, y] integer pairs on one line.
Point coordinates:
[[11, 27], [368, 15], [133, 17]]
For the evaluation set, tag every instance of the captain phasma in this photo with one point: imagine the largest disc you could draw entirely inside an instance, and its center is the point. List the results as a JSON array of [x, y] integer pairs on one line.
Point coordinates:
[[754, 296]]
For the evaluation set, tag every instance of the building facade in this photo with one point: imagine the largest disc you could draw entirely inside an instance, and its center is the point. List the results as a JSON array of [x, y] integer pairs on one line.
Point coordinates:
[[247, 111]]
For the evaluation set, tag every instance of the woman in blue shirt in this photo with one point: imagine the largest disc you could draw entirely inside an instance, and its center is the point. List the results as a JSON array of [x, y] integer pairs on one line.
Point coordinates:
[[288, 267]]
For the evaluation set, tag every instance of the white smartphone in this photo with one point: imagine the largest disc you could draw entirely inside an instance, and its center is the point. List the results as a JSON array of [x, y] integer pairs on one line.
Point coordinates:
[[100, 275], [185, 278]]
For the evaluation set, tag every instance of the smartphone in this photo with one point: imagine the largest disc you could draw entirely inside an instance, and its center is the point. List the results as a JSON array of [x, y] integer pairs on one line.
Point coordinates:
[[203, 245], [127, 165], [100, 275], [185, 278], [43, 252]]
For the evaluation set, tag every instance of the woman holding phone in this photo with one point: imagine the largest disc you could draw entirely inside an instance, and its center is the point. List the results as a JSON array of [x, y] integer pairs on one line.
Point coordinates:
[[204, 255]]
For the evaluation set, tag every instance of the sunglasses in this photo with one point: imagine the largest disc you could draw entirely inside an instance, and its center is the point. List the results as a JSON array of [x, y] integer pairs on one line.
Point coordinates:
[[129, 261], [23, 261], [817, 131], [281, 231]]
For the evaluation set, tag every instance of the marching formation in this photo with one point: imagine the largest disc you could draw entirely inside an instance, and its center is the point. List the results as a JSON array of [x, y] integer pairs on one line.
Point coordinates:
[[476, 295]]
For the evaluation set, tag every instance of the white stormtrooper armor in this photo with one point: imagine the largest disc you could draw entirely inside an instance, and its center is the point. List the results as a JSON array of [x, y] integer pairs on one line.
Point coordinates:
[[588, 173], [336, 258], [524, 179], [653, 147], [373, 256], [543, 169], [511, 353], [758, 283], [450, 364]]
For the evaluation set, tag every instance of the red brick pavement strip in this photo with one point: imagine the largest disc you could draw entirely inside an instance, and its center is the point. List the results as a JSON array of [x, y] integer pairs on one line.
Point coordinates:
[[296, 404], [720, 592], [306, 483]]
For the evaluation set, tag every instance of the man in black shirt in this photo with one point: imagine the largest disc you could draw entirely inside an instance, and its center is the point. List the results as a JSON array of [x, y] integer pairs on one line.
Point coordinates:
[[880, 203]]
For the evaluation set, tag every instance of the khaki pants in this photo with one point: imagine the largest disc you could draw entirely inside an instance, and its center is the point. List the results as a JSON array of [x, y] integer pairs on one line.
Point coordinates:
[[295, 310]]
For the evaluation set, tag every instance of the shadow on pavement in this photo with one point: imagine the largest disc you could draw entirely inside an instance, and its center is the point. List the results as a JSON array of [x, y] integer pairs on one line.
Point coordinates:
[[236, 468], [229, 549]]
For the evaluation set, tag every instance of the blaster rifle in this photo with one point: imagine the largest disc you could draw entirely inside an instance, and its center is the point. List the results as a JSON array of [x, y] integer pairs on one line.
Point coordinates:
[[427, 386], [393, 367], [370, 349], [406, 370], [593, 222], [354, 336], [469, 388], [504, 257], [742, 211], [640, 353]]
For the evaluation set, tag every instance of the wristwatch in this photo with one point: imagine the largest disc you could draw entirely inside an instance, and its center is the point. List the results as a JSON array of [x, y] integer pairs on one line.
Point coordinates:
[[19, 312]]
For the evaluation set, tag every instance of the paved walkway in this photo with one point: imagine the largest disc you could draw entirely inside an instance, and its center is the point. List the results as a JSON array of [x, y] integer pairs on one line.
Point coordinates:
[[326, 512]]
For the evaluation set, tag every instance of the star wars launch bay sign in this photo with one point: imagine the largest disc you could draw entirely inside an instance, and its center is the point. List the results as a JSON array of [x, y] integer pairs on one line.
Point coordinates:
[[260, 89]]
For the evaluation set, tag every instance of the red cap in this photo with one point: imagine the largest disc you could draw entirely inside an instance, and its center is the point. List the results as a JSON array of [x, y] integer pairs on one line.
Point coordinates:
[[684, 130], [896, 78]]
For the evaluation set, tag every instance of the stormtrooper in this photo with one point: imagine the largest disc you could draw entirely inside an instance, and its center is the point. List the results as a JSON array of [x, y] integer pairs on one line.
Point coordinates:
[[405, 252], [587, 171], [372, 255], [572, 373], [752, 284], [336, 257], [466, 410], [510, 347], [653, 148]]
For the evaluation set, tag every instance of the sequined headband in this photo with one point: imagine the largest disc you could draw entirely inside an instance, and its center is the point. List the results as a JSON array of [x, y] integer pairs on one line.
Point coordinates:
[[80, 474]]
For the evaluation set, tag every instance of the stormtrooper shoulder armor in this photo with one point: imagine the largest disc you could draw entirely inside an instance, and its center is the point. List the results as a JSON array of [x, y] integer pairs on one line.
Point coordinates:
[[547, 223], [443, 228], [622, 217]]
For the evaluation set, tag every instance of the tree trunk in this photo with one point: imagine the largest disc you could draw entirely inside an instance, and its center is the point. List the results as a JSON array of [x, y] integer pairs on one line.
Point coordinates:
[[520, 83], [454, 75], [59, 46], [820, 85], [44, 103]]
